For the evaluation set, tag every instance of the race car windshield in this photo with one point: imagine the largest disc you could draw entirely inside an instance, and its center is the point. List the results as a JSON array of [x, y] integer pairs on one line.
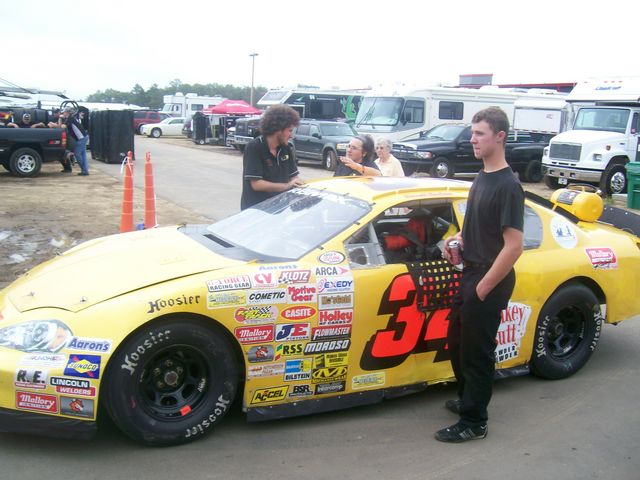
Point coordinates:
[[291, 224]]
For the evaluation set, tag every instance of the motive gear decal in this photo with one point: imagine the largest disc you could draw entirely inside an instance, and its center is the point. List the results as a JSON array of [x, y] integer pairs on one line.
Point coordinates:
[[409, 330]]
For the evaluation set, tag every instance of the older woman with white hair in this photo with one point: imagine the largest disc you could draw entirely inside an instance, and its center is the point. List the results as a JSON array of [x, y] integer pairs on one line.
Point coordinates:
[[389, 165]]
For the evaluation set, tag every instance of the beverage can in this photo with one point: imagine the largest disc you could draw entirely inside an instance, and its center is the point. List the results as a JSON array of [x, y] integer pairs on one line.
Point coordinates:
[[455, 252]]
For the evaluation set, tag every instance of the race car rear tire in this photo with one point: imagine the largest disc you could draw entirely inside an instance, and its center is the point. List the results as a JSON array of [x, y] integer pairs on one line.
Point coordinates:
[[25, 162], [567, 332], [170, 382]]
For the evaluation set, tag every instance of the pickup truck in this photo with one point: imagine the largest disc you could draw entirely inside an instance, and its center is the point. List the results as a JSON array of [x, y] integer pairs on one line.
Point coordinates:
[[23, 150], [446, 150]]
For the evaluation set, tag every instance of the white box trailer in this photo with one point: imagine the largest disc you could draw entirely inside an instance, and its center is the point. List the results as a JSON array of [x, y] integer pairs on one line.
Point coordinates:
[[603, 137], [539, 116]]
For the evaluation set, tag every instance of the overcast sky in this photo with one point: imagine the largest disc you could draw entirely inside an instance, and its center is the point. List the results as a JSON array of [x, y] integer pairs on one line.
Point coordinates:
[[82, 47]]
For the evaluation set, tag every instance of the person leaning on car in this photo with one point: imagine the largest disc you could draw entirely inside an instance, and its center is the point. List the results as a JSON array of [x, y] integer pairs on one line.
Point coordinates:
[[359, 159], [491, 242], [269, 166]]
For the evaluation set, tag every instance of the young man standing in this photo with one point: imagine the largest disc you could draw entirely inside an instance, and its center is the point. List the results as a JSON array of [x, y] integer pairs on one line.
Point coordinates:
[[491, 242], [269, 166]]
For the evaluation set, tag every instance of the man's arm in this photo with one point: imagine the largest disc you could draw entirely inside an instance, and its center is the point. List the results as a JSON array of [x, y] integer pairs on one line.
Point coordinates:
[[262, 185], [504, 262]]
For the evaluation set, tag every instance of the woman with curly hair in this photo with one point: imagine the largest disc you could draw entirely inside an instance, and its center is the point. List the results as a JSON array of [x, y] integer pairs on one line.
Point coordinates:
[[269, 166]]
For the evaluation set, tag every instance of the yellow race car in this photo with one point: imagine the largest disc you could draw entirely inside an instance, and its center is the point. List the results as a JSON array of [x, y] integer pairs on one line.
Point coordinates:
[[324, 297]]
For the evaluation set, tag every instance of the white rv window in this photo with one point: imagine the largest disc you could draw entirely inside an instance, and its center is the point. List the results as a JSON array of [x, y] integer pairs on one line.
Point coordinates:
[[451, 111], [196, 107], [414, 112]]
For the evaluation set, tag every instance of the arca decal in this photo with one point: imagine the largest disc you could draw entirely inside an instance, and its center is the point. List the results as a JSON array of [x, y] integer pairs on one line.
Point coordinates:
[[409, 330]]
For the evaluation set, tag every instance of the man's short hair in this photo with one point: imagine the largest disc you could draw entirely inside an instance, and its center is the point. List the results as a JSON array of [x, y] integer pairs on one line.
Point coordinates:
[[277, 118], [495, 117]]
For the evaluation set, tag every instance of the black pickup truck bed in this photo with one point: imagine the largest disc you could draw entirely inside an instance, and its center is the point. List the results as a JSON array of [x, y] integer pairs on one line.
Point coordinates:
[[446, 150], [23, 150]]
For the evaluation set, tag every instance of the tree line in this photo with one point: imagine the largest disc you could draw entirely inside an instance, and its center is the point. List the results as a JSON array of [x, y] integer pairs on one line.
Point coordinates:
[[152, 97]]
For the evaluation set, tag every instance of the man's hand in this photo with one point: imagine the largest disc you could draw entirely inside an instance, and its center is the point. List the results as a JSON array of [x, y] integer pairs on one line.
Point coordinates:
[[447, 251]]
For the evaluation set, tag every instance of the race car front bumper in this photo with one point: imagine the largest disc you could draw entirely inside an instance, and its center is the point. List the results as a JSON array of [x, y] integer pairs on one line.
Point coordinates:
[[14, 421]]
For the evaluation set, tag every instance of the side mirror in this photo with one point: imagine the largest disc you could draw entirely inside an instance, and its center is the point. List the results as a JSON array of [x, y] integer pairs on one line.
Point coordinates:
[[316, 135]]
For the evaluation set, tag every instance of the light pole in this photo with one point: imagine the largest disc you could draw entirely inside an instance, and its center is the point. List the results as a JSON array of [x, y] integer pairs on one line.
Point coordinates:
[[253, 64]]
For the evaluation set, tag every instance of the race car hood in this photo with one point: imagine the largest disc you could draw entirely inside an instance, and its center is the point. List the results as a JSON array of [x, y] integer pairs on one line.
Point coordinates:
[[107, 267]]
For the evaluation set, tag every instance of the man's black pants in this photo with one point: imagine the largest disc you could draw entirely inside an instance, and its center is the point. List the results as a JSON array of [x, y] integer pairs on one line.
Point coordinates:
[[473, 326]]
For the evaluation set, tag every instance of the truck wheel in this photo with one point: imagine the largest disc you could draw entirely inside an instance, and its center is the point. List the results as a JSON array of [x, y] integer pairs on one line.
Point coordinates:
[[567, 332], [171, 382], [551, 182], [442, 168], [533, 172], [330, 159], [156, 133], [614, 180], [25, 162]]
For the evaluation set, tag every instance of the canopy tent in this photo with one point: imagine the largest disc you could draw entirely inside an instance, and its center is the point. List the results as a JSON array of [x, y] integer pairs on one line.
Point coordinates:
[[232, 107]]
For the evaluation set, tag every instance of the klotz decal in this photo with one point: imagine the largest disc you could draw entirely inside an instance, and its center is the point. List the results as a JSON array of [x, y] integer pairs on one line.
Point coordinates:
[[563, 232], [332, 258]]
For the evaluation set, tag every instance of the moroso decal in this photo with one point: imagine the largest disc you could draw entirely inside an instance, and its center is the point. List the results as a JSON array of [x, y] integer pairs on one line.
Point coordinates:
[[265, 395], [408, 331]]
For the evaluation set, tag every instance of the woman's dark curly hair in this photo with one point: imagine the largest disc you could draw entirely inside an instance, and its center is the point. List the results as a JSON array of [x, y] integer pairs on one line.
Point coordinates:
[[278, 117]]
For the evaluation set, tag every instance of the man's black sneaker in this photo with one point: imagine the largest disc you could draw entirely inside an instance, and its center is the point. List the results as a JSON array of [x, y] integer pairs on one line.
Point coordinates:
[[453, 405], [461, 433]]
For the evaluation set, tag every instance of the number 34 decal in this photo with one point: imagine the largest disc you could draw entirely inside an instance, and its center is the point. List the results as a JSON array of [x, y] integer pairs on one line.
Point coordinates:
[[409, 330]]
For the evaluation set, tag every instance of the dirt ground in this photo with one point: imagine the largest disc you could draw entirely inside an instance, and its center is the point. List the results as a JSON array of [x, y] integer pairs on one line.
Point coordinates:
[[42, 216]]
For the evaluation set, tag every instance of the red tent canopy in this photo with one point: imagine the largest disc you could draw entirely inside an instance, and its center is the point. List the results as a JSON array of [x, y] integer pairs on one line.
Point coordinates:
[[232, 107]]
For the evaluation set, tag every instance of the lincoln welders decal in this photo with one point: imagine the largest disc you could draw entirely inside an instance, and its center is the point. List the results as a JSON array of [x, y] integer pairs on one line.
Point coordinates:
[[409, 330]]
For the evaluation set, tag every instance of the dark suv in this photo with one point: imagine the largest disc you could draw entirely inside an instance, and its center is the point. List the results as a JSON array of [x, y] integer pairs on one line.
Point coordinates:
[[321, 140], [143, 117]]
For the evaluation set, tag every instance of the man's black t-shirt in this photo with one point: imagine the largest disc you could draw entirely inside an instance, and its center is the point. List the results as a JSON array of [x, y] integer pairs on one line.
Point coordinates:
[[343, 171], [496, 201], [259, 163]]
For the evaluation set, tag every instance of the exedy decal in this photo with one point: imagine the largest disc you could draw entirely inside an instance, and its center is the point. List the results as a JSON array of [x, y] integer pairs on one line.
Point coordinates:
[[409, 330]]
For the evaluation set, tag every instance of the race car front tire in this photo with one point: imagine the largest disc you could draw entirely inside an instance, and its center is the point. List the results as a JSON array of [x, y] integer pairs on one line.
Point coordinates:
[[567, 332], [170, 382]]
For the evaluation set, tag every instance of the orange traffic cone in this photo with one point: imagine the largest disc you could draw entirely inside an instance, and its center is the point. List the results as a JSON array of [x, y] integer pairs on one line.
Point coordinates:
[[126, 220], [149, 195]]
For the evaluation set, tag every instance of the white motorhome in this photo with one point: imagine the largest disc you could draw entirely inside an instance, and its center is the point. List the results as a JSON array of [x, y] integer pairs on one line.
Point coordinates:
[[400, 116], [180, 105], [603, 136], [315, 103]]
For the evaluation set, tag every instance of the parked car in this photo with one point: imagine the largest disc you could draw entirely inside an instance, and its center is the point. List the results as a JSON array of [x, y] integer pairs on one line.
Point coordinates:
[[321, 140], [330, 306], [446, 150], [143, 117], [168, 126]]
